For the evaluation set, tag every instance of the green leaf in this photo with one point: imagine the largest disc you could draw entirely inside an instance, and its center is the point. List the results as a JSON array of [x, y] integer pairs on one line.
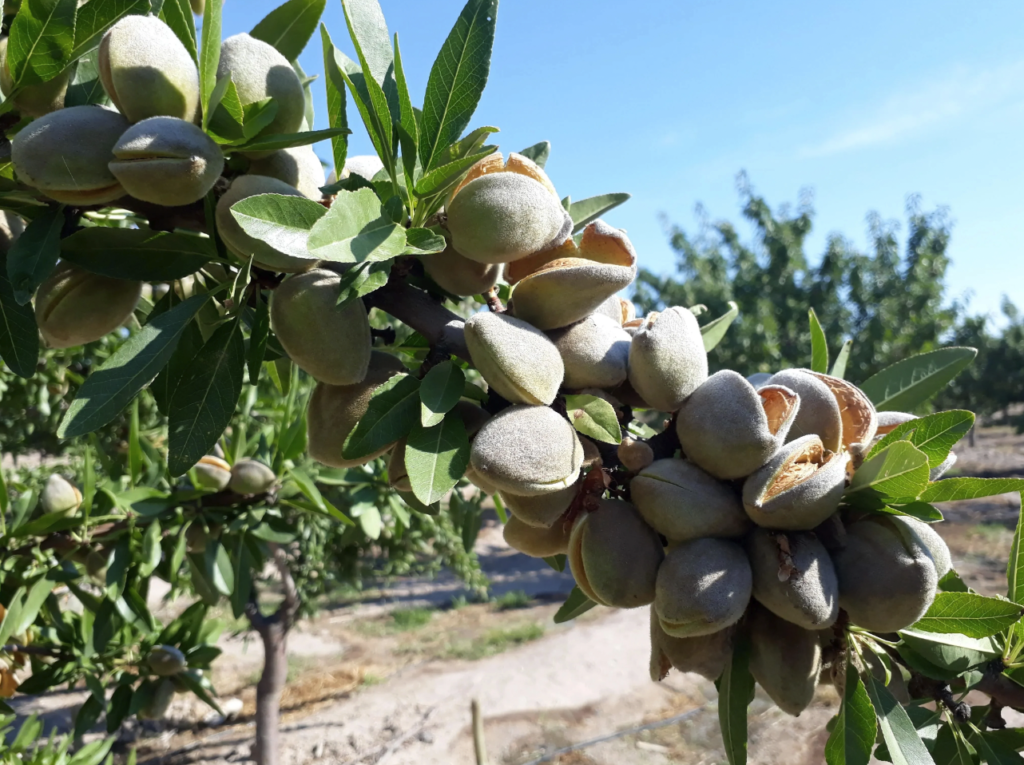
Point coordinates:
[[209, 56], [41, 41], [588, 210], [85, 87], [934, 435], [594, 417], [951, 651], [440, 391], [714, 331], [575, 605], [282, 222], [372, 42], [955, 489], [992, 750], [369, 33], [177, 14], [205, 399], [218, 567], [407, 125], [920, 510], [1015, 563], [335, 84], [362, 280], [910, 382], [291, 140], [170, 377], [258, 338], [196, 683], [905, 745], [97, 16], [423, 241], [356, 229], [19, 333], [457, 79], [951, 749], [136, 254], [118, 563], [31, 605], [819, 346], [969, 614], [854, 733], [436, 458], [393, 411], [842, 358], [109, 389], [539, 153], [446, 175], [151, 553], [34, 254], [370, 522], [899, 471], [290, 26], [735, 692]]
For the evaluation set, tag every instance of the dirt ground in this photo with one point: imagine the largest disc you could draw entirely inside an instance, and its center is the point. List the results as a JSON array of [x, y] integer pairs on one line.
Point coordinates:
[[389, 681]]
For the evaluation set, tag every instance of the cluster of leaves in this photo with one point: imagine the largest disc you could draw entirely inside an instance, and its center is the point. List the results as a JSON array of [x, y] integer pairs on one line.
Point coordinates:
[[27, 747]]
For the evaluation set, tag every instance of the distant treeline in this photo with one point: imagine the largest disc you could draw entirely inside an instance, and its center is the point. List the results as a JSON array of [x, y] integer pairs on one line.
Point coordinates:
[[892, 301]]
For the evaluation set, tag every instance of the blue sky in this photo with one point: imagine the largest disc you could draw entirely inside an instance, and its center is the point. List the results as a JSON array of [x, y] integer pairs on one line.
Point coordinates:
[[864, 103]]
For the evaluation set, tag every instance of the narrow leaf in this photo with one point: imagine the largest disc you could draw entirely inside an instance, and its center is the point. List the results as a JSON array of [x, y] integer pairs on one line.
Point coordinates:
[[1015, 563], [910, 382], [177, 14], [97, 16], [335, 84], [19, 334], [954, 489], [209, 56], [934, 434], [588, 210], [34, 254], [436, 458], [539, 153], [714, 331], [819, 346], [129, 253], [205, 399], [735, 692], [594, 417], [290, 26], [393, 410], [109, 389], [440, 390], [575, 605], [855, 728], [291, 140], [899, 471], [905, 745], [457, 79]]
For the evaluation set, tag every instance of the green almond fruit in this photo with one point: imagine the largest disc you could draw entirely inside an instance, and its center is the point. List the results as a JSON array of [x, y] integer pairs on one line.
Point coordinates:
[[147, 72], [167, 161], [66, 155], [502, 211], [730, 429], [794, 577], [518, 361], [667, 360], [459, 275], [704, 586], [614, 555], [158, 704], [617, 309], [681, 502], [259, 72], [922, 535], [535, 541], [887, 579], [635, 456], [706, 655], [250, 477], [819, 409], [60, 496], [212, 473], [335, 410], [566, 283], [330, 343], [798, 488], [785, 660], [75, 307], [527, 451], [34, 100], [240, 243], [299, 167], [595, 352], [542, 510], [166, 661]]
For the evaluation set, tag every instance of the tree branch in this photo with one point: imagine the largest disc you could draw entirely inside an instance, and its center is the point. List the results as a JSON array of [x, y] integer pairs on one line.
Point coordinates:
[[418, 310], [290, 607], [1003, 690]]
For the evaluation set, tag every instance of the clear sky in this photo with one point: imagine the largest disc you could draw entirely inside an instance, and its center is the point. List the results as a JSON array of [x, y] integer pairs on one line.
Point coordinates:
[[864, 103]]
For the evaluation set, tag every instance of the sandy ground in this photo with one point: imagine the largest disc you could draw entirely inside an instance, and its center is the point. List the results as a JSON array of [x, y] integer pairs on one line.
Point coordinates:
[[364, 692]]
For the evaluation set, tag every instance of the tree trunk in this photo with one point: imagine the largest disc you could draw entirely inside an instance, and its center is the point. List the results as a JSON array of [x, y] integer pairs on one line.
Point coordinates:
[[268, 694], [273, 630]]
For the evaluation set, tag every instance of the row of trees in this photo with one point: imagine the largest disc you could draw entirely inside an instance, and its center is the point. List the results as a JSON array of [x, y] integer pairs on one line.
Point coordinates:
[[894, 300]]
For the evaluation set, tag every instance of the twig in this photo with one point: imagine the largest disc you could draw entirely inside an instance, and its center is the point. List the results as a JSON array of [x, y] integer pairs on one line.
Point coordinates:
[[32, 650], [479, 745], [493, 301], [418, 310], [551, 756]]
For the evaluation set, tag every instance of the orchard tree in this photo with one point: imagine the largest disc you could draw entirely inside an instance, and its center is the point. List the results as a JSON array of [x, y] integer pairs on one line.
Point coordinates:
[[777, 528], [862, 296]]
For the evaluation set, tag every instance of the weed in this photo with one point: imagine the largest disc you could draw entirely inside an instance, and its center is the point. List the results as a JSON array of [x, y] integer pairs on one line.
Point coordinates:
[[494, 642], [513, 600]]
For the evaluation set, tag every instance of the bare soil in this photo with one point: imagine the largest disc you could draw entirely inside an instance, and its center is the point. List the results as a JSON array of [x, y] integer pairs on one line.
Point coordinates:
[[390, 680]]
